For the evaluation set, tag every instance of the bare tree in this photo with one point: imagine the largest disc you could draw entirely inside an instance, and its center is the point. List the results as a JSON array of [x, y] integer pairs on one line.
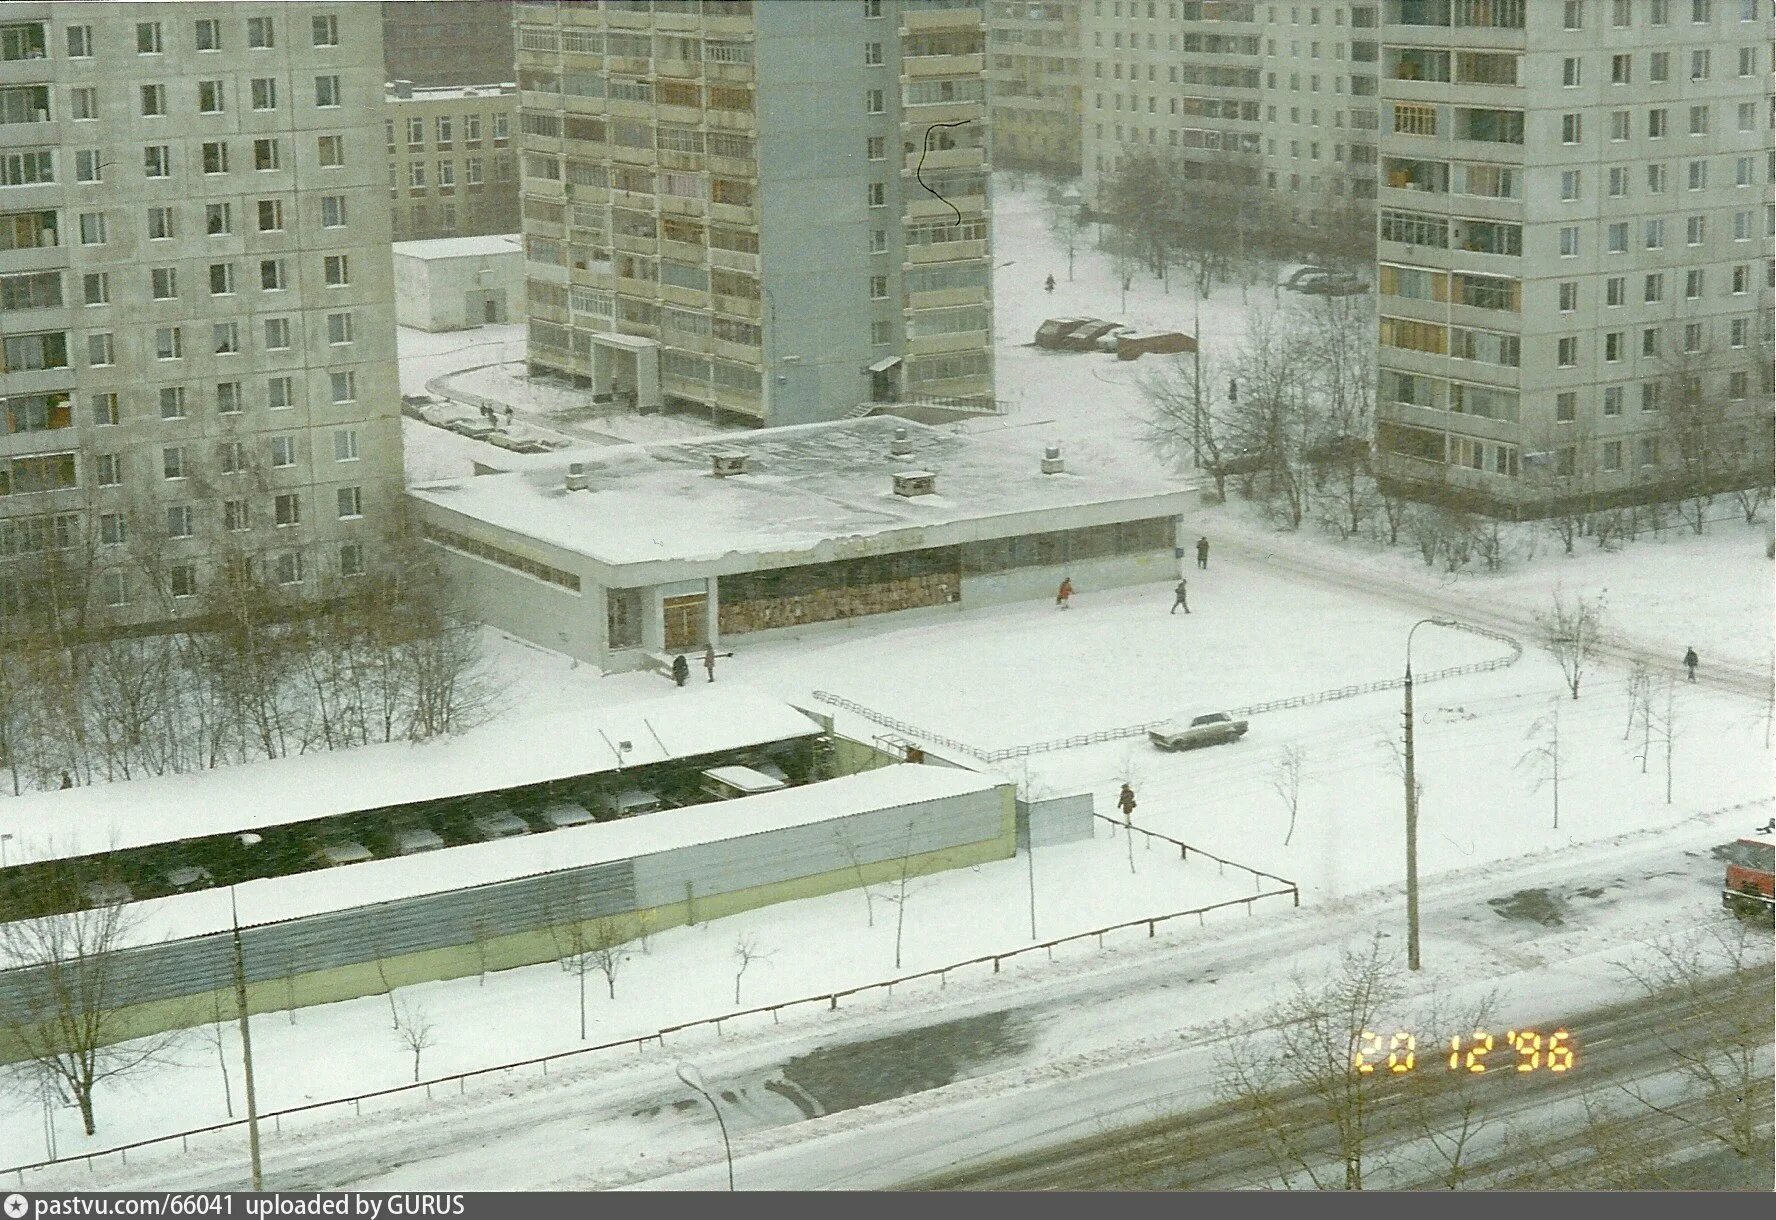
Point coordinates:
[[1298, 1070], [1444, 1110], [1572, 632], [69, 1017], [413, 1029], [1066, 227], [1640, 685], [1183, 401], [1721, 976], [903, 893], [1662, 726], [1544, 755], [855, 859], [746, 952], [1285, 778], [214, 1032]]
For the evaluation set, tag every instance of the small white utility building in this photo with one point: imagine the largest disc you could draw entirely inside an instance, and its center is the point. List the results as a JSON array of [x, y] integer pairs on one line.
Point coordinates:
[[453, 283]]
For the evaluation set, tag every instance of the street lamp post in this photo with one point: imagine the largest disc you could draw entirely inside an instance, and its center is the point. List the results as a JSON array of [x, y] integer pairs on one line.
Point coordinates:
[[694, 1080], [4, 840], [1412, 805], [246, 1032]]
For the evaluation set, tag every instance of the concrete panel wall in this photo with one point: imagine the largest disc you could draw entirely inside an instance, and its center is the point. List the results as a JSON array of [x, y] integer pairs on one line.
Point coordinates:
[[1060, 819]]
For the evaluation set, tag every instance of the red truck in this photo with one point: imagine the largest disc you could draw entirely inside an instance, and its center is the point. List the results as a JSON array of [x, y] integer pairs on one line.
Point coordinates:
[[1750, 887]]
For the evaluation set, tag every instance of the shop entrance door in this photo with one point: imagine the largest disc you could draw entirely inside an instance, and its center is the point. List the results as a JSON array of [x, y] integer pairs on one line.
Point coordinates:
[[686, 621]]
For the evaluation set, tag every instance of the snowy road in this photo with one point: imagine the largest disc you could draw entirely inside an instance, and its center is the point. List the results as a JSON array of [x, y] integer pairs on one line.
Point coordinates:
[[1137, 1035]]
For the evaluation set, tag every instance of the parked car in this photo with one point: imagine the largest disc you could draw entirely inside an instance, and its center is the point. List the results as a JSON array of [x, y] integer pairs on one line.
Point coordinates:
[[107, 894], [1334, 286], [472, 426], [347, 851], [1238, 461], [517, 444], [1209, 730], [1749, 887], [628, 802], [1132, 346], [1051, 332], [189, 877], [1107, 341], [1296, 279], [1339, 451], [725, 782], [500, 825], [418, 839], [1085, 338], [563, 814]]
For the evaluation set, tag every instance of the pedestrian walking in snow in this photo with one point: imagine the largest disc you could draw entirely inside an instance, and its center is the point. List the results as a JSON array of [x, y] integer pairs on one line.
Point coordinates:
[[681, 669], [1125, 801], [508, 415], [709, 660], [1064, 592], [1691, 660], [1202, 551], [1049, 284], [1181, 597], [67, 780]]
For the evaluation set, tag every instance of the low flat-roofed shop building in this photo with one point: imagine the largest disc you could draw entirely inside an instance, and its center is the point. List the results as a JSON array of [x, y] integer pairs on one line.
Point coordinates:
[[627, 554], [454, 283]]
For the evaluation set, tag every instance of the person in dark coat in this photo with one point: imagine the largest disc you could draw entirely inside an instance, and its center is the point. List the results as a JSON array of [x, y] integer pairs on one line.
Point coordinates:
[[67, 780], [1125, 801], [709, 660], [1064, 592], [1049, 284], [508, 415], [681, 669], [1691, 660], [1202, 551], [1181, 597]]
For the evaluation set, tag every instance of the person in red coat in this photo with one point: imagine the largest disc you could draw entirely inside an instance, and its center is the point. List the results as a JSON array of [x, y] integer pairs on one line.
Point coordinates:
[[1065, 591]]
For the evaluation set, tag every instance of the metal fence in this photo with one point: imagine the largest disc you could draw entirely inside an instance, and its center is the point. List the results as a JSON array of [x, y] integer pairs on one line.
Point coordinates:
[[1138, 730]]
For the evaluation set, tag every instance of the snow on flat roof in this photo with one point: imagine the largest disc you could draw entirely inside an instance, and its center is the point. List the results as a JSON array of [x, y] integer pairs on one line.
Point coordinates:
[[337, 889], [460, 247], [508, 752], [445, 93], [804, 485]]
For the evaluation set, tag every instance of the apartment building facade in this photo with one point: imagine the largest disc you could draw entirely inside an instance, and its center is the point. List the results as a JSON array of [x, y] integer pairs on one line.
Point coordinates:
[[1575, 248], [1035, 81], [195, 302], [775, 212], [447, 42], [453, 162], [1274, 100]]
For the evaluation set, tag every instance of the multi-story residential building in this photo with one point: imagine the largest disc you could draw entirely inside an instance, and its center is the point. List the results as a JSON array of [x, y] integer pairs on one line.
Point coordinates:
[[772, 211], [1575, 246], [447, 42], [453, 164], [195, 299], [1035, 84], [1274, 100]]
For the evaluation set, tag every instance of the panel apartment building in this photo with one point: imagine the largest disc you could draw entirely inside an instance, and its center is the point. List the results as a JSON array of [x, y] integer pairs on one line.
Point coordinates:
[[774, 212], [1274, 99], [1575, 230], [447, 42], [453, 161], [1035, 79], [195, 300]]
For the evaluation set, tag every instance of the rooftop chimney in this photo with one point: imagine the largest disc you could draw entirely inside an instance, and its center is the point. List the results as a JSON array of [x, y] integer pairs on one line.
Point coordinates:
[[911, 483], [404, 88], [726, 463], [1051, 460], [576, 476], [902, 445]]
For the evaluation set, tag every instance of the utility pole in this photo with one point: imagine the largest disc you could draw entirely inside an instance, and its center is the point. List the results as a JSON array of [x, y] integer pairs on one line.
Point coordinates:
[[1030, 852], [1196, 411], [246, 1033], [1412, 803]]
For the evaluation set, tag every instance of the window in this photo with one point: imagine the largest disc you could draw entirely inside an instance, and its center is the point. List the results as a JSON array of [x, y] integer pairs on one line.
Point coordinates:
[[876, 148], [234, 516], [169, 343], [280, 393], [472, 172], [1693, 282], [27, 167], [1655, 288], [415, 132], [1621, 69], [271, 215], [84, 104], [229, 400], [209, 34], [1747, 61], [351, 559], [113, 531], [157, 161], [1655, 234], [339, 328], [1571, 72], [92, 228], [87, 165], [1567, 352], [326, 91], [1659, 67], [1612, 455], [1701, 11], [267, 155], [1695, 229], [218, 219], [332, 211], [154, 99], [1569, 241], [325, 30], [100, 351], [1698, 120], [337, 270], [286, 510], [1612, 400], [1738, 385], [345, 445], [1741, 279], [1569, 296], [273, 275], [1698, 175], [416, 175], [148, 38], [1618, 181], [1649, 396], [351, 502], [878, 194], [1737, 330], [80, 42], [1693, 332], [1655, 173], [447, 175], [1569, 185], [1566, 407], [1741, 226], [260, 33], [1649, 341], [265, 93], [289, 568], [878, 286], [1656, 123], [1743, 172], [180, 521], [225, 338], [1571, 128], [872, 54], [331, 151], [1612, 347], [874, 102], [182, 580], [96, 288], [172, 462], [1575, 15], [881, 333], [283, 450], [163, 283], [215, 157], [878, 241], [277, 334], [344, 386]]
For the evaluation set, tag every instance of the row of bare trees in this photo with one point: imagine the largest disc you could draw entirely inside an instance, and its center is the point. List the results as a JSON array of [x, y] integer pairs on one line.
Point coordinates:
[[245, 671]]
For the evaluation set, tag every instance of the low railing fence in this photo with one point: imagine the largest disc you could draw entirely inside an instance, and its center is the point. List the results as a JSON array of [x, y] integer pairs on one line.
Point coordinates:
[[1138, 730]]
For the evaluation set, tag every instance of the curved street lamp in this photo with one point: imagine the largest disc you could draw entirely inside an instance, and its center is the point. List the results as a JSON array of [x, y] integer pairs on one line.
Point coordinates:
[[1412, 803], [694, 1080]]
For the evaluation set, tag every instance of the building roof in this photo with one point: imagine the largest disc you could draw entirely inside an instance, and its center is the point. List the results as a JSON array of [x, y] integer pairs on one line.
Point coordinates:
[[385, 880], [506, 753], [804, 486], [462, 247], [448, 93]]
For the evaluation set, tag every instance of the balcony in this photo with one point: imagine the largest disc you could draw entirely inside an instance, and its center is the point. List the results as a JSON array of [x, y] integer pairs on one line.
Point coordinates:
[[925, 207], [688, 298], [635, 245], [734, 260], [731, 120], [942, 65], [737, 307], [946, 158], [946, 252], [918, 118], [684, 252], [939, 19], [743, 215], [956, 341], [679, 205]]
